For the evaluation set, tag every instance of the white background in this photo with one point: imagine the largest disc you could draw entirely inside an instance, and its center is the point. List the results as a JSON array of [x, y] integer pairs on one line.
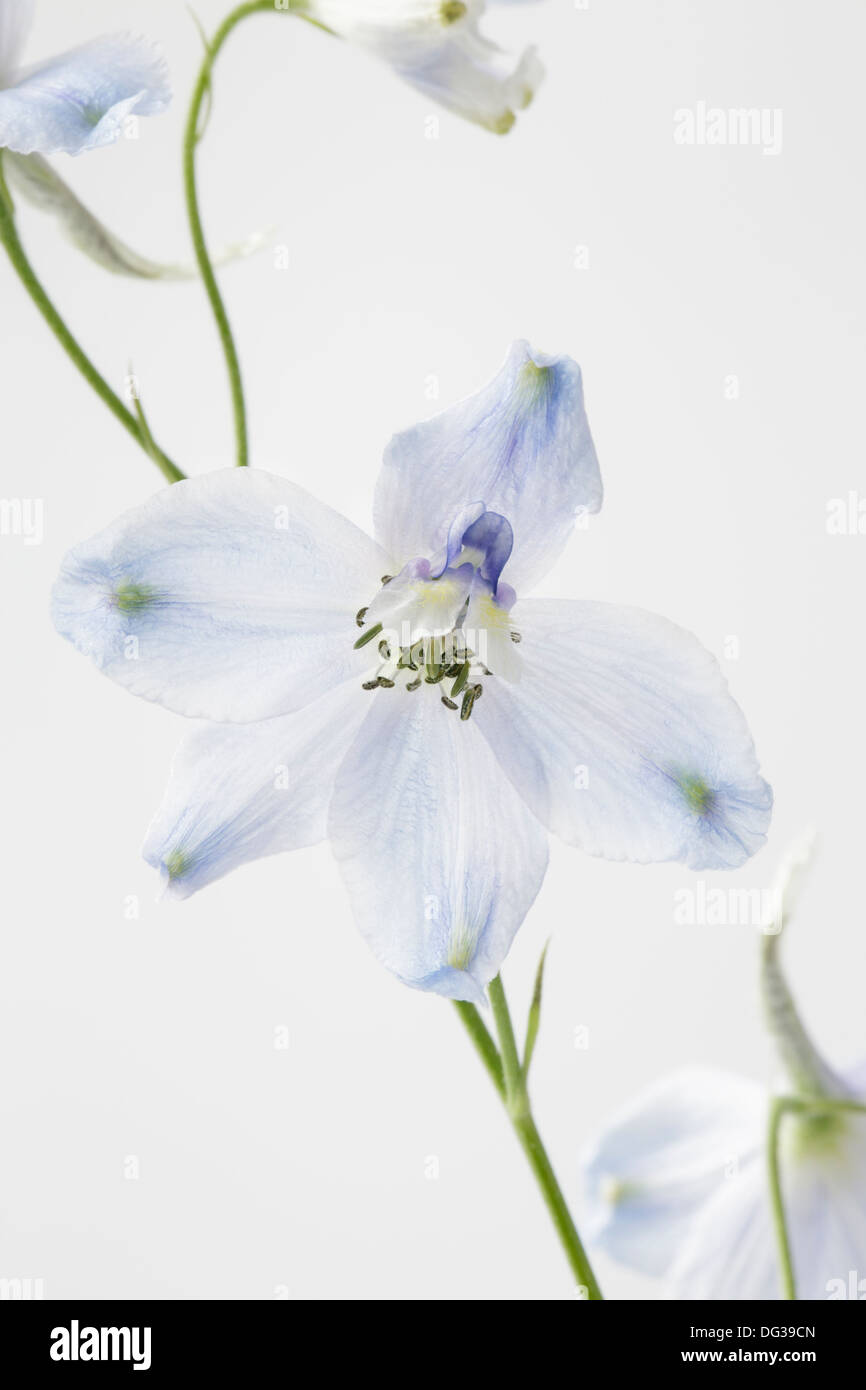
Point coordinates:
[[303, 1170]]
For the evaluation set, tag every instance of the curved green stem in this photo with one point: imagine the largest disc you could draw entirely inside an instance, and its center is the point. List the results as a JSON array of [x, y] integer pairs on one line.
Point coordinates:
[[778, 1109], [27, 275], [516, 1100], [192, 135]]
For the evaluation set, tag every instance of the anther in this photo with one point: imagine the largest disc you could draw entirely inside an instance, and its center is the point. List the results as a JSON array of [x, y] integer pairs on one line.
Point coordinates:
[[360, 616], [461, 680], [385, 683], [386, 579], [434, 675], [469, 699], [368, 636], [515, 636], [414, 685], [449, 704], [371, 685], [384, 651]]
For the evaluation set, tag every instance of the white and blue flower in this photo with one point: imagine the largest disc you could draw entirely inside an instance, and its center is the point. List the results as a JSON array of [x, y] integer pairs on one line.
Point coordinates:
[[80, 99], [437, 47], [677, 1183], [399, 696]]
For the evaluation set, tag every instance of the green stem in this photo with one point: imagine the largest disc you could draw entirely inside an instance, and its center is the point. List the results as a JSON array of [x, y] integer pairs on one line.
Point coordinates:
[[484, 1044], [27, 275], [778, 1109], [192, 136], [516, 1100]]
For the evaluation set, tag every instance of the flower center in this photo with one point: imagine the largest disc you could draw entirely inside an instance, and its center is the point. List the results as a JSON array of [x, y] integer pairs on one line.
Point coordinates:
[[423, 637]]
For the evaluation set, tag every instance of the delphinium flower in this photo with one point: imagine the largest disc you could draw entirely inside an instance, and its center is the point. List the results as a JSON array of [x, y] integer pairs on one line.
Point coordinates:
[[679, 1181], [437, 46], [402, 695], [78, 100]]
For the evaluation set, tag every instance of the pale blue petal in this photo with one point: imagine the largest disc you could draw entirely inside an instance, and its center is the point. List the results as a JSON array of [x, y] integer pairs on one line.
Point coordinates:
[[439, 49], [730, 1250], [522, 445], [16, 17], [239, 792], [662, 1156], [623, 738], [228, 597], [825, 1194], [441, 858], [474, 79], [79, 100]]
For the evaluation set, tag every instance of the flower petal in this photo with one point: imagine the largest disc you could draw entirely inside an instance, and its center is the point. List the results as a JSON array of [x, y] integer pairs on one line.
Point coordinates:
[[16, 18], [440, 857], [662, 1156], [228, 597], [522, 445], [730, 1251], [79, 100], [825, 1206], [239, 792], [436, 46], [42, 187], [623, 738]]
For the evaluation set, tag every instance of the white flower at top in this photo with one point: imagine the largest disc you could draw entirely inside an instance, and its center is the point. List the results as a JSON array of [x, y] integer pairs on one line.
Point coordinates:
[[397, 694], [437, 46], [79, 99]]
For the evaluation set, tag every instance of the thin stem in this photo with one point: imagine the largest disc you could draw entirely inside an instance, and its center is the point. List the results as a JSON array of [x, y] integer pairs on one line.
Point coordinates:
[[516, 1100], [779, 1107], [27, 275], [514, 1085], [192, 136], [486, 1047]]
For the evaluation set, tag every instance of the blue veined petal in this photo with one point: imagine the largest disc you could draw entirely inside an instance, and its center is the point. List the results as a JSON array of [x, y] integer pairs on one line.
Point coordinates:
[[436, 46], [16, 18], [79, 100], [662, 1156], [522, 444], [477, 537], [441, 858], [228, 597], [623, 738], [239, 792]]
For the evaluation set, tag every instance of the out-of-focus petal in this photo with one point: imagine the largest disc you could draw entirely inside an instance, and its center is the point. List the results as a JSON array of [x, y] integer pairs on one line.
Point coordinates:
[[521, 445], [662, 1156], [16, 17], [33, 177], [239, 792], [227, 597], [730, 1250], [79, 100], [624, 739], [441, 858]]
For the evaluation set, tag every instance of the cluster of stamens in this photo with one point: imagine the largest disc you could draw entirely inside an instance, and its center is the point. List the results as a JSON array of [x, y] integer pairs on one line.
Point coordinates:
[[427, 661]]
